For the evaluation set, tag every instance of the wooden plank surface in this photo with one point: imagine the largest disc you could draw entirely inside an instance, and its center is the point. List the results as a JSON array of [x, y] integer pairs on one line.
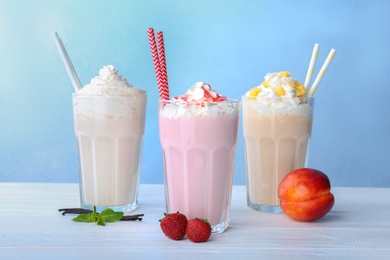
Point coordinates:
[[358, 227]]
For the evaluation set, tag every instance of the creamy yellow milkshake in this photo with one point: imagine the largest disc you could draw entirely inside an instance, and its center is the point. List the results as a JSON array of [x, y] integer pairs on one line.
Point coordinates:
[[277, 123]]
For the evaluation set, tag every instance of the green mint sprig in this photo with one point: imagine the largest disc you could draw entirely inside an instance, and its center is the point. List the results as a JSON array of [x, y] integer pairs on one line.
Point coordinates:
[[107, 215]]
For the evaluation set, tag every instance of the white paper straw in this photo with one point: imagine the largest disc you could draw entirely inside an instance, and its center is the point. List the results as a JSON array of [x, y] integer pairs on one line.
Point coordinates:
[[67, 62], [311, 65], [322, 72]]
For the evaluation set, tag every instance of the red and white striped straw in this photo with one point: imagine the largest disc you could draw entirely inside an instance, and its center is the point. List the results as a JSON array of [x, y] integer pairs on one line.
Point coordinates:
[[162, 81], [163, 65], [156, 61]]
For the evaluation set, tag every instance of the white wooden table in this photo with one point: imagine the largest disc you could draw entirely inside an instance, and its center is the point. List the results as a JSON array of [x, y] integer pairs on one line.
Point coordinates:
[[358, 227]]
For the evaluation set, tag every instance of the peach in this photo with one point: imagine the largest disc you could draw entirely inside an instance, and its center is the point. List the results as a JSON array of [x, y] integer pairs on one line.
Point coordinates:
[[305, 194]]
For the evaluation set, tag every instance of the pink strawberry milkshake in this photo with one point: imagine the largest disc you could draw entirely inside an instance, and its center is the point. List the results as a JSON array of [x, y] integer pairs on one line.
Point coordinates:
[[198, 135]]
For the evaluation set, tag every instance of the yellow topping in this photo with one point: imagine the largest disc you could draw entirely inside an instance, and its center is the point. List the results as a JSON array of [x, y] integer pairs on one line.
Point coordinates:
[[280, 84], [301, 91], [300, 88], [253, 92], [280, 91], [284, 74], [297, 83], [265, 84]]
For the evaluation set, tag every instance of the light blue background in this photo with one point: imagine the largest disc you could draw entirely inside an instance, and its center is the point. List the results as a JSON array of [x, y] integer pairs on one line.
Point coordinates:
[[229, 44]]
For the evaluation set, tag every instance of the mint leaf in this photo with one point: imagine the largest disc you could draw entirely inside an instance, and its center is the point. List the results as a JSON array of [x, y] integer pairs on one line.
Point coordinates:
[[100, 221], [84, 218], [111, 216], [107, 215]]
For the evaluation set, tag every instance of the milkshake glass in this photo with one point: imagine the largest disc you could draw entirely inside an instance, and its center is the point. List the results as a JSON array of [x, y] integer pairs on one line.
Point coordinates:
[[277, 132], [198, 145], [109, 128]]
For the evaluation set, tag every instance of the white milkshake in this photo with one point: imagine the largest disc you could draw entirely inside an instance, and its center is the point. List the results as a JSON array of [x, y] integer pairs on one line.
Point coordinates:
[[109, 119]]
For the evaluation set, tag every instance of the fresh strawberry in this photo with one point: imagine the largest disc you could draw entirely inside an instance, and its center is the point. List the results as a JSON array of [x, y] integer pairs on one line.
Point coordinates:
[[198, 230], [174, 225]]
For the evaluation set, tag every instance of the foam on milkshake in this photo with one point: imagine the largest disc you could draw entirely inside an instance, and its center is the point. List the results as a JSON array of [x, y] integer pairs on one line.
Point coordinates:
[[199, 100], [109, 83], [279, 93]]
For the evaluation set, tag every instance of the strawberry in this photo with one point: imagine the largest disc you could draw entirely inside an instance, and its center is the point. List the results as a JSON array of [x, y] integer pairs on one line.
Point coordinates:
[[174, 225], [198, 230]]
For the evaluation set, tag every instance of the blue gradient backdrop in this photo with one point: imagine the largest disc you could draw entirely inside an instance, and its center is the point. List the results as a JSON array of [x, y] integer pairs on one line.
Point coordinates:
[[229, 44]]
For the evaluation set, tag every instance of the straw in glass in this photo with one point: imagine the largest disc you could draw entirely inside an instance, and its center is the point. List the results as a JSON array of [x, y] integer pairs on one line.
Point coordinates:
[[311, 65], [322, 72], [162, 87], [163, 65], [67, 62], [156, 61]]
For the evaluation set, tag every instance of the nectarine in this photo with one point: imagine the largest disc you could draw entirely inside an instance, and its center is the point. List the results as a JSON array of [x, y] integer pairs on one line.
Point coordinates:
[[305, 194]]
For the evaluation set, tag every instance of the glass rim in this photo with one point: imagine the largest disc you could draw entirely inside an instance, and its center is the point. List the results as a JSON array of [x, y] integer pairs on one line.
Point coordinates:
[[255, 98], [229, 101], [82, 95]]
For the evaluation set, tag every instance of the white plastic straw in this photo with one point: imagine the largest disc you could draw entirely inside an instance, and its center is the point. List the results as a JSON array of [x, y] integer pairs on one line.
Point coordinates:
[[322, 72], [311, 65], [67, 62]]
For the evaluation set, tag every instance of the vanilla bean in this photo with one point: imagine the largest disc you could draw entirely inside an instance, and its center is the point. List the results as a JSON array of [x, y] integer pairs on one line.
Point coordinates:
[[87, 211], [132, 217], [75, 211]]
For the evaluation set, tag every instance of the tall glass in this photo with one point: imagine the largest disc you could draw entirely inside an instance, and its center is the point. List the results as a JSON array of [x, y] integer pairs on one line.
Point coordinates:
[[199, 146], [277, 137], [109, 132]]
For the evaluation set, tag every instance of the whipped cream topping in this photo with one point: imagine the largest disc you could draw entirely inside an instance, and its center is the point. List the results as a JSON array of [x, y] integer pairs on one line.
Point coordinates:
[[279, 84], [278, 90], [108, 82], [176, 109], [274, 81], [281, 106], [200, 100], [280, 93], [201, 92], [116, 97]]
